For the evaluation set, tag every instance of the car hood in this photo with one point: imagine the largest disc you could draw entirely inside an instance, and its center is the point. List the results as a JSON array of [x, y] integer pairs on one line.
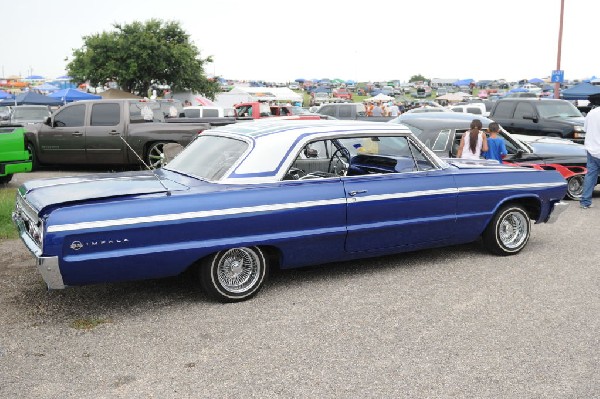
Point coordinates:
[[545, 146], [43, 193]]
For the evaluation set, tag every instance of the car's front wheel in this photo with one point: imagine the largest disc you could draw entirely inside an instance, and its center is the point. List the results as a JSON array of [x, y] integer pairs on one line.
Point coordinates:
[[509, 230], [575, 187], [234, 274]]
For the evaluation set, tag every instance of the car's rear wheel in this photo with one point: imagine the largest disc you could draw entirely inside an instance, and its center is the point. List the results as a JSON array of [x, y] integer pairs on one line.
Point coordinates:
[[155, 156], [575, 187], [509, 230], [234, 274]]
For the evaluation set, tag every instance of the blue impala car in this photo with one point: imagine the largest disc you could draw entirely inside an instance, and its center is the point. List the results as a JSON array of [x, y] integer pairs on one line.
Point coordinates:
[[246, 197]]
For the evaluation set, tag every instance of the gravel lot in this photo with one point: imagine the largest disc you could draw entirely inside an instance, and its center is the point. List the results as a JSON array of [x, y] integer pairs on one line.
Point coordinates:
[[453, 322]]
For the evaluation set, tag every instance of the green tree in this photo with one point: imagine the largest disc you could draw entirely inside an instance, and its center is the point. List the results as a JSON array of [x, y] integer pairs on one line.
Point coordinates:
[[139, 55], [417, 78]]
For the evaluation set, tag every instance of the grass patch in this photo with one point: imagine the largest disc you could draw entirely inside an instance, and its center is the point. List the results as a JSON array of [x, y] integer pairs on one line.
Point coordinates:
[[7, 204], [87, 324]]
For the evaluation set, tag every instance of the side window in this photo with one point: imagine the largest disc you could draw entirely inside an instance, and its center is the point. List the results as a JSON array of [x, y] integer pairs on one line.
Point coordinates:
[[345, 112], [504, 110], [441, 141], [73, 116], [474, 110], [192, 113], [522, 109], [327, 110], [106, 114], [456, 109], [211, 113]]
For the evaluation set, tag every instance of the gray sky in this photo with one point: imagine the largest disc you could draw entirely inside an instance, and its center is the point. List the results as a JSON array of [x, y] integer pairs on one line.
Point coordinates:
[[358, 40]]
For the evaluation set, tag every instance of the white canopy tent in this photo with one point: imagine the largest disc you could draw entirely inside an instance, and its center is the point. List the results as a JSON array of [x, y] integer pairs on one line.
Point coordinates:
[[244, 94], [380, 98]]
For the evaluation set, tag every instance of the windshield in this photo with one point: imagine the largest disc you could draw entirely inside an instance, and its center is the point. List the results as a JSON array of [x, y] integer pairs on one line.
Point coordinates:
[[558, 109], [209, 157]]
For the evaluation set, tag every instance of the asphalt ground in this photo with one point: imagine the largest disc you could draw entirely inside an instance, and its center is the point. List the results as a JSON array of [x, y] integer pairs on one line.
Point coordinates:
[[455, 322]]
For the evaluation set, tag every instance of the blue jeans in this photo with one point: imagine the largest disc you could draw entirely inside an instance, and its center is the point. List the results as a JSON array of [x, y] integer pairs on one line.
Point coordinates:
[[591, 178]]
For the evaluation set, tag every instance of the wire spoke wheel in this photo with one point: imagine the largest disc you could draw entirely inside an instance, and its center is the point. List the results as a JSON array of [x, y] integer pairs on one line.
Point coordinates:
[[509, 230], [238, 270], [235, 274], [513, 230]]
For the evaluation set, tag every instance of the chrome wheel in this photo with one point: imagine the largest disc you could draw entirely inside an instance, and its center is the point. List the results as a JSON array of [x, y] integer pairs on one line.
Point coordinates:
[[513, 230], [234, 274], [575, 187], [238, 270], [156, 155], [509, 230]]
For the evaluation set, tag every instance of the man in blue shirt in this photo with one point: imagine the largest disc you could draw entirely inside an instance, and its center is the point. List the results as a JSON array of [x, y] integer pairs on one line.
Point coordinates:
[[496, 147]]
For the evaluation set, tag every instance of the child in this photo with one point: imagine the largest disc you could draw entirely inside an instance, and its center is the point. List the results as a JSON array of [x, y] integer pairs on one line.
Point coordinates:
[[496, 148]]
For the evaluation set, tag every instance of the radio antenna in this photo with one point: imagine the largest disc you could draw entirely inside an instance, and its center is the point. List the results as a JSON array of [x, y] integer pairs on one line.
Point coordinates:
[[147, 167]]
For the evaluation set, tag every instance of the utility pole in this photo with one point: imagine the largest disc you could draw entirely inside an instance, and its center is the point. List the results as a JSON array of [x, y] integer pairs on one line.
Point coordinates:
[[560, 32]]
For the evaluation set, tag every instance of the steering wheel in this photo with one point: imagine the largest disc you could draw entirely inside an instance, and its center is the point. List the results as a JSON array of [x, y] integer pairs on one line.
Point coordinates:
[[294, 174], [337, 155]]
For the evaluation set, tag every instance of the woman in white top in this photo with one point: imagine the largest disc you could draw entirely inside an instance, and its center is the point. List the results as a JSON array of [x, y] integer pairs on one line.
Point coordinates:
[[473, 142]]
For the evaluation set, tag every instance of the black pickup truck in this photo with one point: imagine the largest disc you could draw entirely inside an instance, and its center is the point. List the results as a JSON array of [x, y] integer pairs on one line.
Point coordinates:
[[112, 132], [534, 117]]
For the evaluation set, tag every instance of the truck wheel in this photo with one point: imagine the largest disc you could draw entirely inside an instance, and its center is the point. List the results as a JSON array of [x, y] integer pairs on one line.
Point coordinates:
[[6, 178], [234, 275], [509, 230], [34, 161], [155, 156]]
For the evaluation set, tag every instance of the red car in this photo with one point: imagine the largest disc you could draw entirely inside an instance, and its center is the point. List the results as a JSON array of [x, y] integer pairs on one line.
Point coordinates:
[[342, 93]]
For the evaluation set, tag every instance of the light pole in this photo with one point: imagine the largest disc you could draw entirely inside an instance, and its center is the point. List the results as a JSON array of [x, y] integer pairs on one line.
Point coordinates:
[[560, 31]]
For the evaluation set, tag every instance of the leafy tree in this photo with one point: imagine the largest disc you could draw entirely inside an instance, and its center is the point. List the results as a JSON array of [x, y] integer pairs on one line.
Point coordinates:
[[139, 55], [417, 78]]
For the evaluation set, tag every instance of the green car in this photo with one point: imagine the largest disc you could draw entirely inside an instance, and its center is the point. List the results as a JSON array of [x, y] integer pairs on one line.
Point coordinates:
[[14, 156]]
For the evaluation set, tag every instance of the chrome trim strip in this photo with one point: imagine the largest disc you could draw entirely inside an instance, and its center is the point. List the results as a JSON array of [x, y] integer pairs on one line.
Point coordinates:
[[278, 207], [193, 215], [510, 187], [410, 194]]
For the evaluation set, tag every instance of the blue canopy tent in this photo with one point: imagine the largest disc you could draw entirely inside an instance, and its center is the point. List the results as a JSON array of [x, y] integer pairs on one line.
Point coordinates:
[[536, 80], [580, 92], [518, 90], [31, 98], [4, 94], [46, 87], [70, 95], [463, 82]]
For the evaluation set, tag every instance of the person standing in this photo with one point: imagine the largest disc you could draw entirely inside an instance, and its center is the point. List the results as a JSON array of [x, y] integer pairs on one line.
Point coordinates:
[[496, 146], [473, 142], [592, 147]]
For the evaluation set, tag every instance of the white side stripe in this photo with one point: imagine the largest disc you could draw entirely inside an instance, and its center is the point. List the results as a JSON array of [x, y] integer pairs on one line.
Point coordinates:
[[279, 207]]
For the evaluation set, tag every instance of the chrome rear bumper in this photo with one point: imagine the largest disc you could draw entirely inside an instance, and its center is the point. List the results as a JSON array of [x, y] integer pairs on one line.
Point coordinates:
[[557, 209]]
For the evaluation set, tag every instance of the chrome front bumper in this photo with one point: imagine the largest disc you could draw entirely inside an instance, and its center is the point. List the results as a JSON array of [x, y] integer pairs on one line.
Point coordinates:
[[557, 209], [47, 265]]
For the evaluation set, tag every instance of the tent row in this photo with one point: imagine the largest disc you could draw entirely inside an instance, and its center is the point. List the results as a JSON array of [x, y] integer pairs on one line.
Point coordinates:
[[60, 97]]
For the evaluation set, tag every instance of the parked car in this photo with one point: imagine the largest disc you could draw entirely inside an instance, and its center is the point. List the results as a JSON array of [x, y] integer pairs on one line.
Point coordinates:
[[442, 132], [349, 111], [554, 118], [244, 198], [14, 157], [342, 93]]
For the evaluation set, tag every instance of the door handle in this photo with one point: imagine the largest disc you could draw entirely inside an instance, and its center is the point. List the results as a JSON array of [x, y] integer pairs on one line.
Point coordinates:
[[113, 133], [356, 192], [77, 134]]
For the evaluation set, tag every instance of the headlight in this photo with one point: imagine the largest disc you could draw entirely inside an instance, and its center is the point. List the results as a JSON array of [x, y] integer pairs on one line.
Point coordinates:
[[578, 129]]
